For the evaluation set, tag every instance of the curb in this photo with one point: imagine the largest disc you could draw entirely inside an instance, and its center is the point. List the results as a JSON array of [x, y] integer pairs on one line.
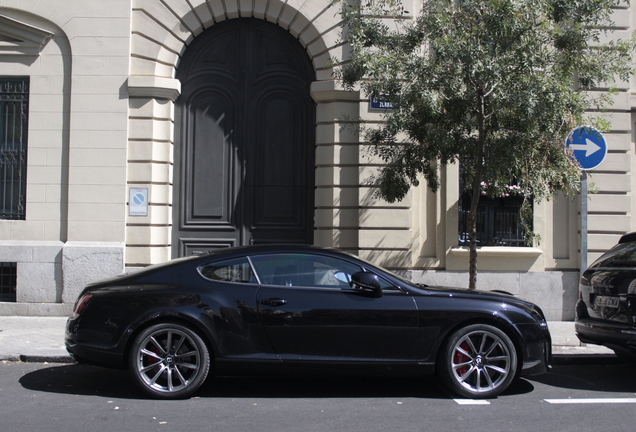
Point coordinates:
[[46, 359], [37, 358], [584, 359]]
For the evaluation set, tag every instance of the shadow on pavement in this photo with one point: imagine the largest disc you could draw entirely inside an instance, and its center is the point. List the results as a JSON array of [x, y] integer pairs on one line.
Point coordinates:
[[610, 377], [82, 380], [286, 387], [78, 379]]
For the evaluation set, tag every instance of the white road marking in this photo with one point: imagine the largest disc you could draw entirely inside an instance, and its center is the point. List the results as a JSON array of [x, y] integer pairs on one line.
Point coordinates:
[[472, 402], [592, 401]]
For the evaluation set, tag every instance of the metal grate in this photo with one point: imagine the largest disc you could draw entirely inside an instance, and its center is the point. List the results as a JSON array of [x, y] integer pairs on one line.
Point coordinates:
[[498, 219], [8, 281], [14, 121], [498, 222]]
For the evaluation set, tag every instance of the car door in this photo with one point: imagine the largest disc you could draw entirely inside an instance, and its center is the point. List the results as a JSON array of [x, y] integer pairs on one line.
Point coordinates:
[[310, 312], [228, 294]]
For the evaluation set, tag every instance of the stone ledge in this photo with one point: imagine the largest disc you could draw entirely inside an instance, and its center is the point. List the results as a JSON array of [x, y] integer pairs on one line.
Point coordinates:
[[154, 87], [497, 251], [36, 309]]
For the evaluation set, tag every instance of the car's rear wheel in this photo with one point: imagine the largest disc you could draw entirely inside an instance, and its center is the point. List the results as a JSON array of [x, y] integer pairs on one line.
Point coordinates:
[[169, 361], [478, 361]]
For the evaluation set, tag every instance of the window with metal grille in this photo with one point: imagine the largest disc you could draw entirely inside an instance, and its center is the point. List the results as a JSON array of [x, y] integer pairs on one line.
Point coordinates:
[[8, 281], [14, 120], [498, 219]]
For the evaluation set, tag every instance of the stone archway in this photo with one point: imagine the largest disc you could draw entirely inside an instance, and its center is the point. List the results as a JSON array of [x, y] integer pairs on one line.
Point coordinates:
[[159, 37], [244, 139]]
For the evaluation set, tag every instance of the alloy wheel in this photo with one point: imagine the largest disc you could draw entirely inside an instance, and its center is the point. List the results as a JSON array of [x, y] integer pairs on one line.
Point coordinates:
[[169, 361], [480, 361]]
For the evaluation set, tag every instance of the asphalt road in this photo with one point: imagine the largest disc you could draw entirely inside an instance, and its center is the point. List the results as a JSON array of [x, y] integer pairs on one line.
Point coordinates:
[[70, 397]]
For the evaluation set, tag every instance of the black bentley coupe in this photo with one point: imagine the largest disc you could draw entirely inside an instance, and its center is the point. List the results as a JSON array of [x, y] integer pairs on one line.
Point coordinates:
[[301, 310]]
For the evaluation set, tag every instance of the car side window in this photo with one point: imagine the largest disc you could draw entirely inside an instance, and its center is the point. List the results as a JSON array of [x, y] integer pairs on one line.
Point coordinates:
[[306, 270], [233, 270]]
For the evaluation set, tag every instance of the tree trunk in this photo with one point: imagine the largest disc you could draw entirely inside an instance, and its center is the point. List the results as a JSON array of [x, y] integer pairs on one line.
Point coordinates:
[[474, 202], [472, 236]]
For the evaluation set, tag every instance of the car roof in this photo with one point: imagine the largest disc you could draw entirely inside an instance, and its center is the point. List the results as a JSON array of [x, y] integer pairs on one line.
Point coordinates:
[[271, 248], [630, 237]]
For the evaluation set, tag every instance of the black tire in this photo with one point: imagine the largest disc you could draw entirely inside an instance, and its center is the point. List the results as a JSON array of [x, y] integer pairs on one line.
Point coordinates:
[[477, 361], [169, 361]]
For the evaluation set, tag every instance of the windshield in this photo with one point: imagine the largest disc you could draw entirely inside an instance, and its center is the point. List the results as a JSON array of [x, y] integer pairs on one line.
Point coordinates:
[[371, 265]]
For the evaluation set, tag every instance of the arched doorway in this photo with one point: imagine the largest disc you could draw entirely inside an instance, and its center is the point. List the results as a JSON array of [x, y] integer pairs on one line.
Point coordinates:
[[244, 140]]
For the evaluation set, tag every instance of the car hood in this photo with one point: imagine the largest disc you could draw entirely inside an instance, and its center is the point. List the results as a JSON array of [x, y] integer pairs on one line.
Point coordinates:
[[478, 294]]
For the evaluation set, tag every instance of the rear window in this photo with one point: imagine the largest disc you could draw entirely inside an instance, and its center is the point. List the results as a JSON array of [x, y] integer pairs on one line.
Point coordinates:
[[233, 270], [621, 255]]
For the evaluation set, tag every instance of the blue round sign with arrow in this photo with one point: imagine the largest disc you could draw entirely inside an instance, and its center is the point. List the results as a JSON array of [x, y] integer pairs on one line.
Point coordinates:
[[588, 146]]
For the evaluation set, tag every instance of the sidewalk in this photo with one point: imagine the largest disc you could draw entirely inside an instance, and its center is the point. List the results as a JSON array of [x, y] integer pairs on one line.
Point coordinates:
[[33, 339], [41, 339], [566, 347]]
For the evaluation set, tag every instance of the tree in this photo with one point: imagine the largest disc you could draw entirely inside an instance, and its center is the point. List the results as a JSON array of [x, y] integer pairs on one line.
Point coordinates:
[[493, 84]]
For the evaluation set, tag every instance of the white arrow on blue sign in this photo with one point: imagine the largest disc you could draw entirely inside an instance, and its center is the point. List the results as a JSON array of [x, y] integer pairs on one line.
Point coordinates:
[[588, 146]]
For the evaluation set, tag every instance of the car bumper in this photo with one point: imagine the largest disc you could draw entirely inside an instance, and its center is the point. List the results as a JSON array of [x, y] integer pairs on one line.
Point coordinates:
[[538, 350], [612, 335], [87, 353]]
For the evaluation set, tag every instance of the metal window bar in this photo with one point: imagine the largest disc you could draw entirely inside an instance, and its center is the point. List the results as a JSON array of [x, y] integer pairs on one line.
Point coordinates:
[[8, 282], [498, 220], [14, 121]]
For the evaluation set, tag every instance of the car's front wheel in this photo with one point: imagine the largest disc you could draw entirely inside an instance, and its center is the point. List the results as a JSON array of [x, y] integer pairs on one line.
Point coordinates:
[[478, 361], [169, 361]]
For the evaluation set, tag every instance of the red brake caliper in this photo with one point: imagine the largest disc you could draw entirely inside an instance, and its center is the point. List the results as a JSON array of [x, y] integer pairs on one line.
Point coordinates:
[[148, 360], [460, 357]]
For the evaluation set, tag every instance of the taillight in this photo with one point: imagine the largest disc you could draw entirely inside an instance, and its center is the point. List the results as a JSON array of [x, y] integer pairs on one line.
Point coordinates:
[[81, 304]]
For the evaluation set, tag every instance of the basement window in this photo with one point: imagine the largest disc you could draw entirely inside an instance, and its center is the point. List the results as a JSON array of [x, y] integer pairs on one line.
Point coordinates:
[[8, 281]]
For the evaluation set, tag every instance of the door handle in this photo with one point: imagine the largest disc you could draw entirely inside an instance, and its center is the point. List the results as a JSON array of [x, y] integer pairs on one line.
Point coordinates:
[[274, 301]]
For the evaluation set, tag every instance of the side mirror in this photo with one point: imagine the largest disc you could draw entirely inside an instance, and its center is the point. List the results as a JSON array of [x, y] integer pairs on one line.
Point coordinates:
[[367, 283]]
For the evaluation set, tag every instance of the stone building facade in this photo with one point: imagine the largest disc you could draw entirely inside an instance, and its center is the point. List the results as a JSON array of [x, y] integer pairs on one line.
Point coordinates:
[[159, 128]]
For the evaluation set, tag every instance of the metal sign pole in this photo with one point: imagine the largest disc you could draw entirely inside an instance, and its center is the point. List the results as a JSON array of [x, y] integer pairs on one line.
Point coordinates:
[[589, 148], [583, 221]]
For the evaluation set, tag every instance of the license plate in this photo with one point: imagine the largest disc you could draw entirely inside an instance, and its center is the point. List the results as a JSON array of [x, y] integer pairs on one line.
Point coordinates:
[[606, 301]]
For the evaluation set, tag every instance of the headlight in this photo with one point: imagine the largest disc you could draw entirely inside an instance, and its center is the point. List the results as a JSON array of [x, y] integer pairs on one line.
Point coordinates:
[[537, 314]]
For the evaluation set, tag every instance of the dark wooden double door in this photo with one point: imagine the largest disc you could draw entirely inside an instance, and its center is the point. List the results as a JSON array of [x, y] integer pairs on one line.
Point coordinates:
[[245, 140]]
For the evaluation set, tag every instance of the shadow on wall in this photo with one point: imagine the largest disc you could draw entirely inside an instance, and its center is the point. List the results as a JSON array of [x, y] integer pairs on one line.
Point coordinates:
[[570, 294], [383, 250]]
